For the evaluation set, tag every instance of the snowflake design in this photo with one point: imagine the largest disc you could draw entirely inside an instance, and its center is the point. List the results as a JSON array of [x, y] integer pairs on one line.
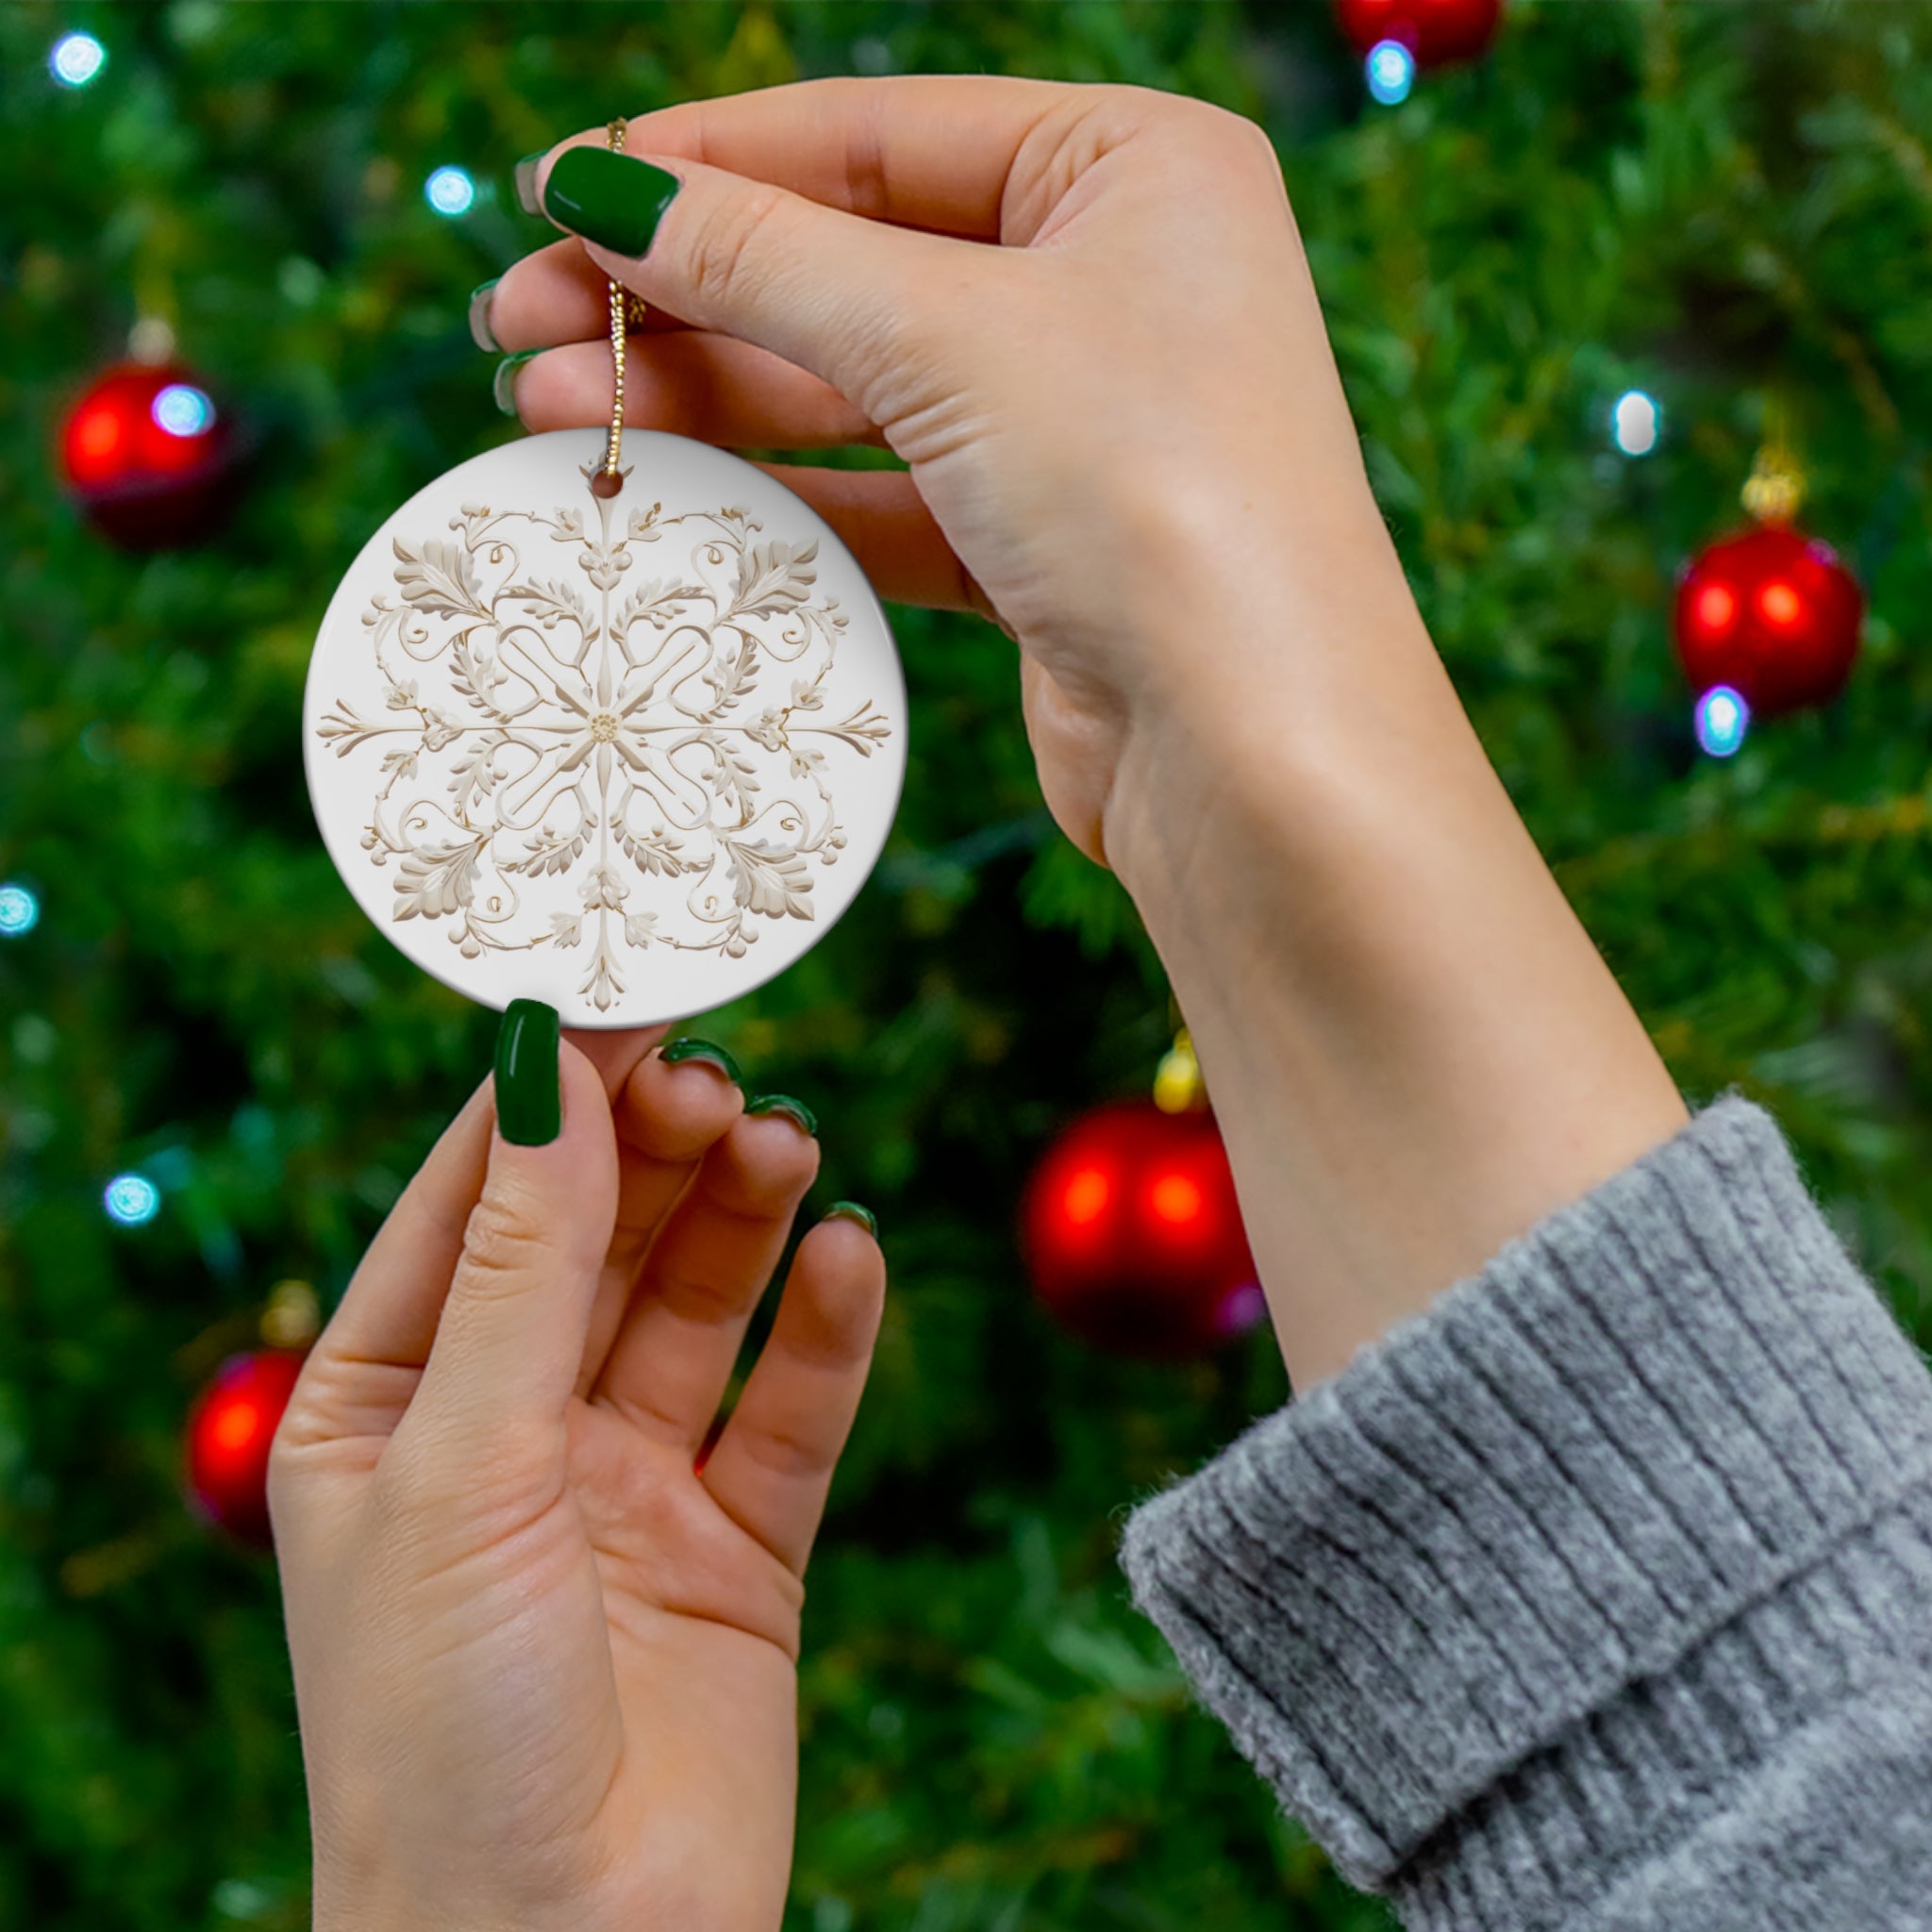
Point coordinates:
[[578, 731]]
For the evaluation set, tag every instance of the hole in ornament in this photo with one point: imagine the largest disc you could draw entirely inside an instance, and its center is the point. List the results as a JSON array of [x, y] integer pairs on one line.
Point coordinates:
[[605, 483]]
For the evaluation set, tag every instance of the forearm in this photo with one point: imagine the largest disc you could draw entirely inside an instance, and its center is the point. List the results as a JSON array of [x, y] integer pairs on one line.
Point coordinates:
[[1412, 1047]]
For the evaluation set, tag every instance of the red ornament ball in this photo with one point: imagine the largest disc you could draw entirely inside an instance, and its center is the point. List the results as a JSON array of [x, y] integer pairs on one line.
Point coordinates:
[[149, 457], [1435, 32], [1774, 614], [229, 1431], [1133, 1237]]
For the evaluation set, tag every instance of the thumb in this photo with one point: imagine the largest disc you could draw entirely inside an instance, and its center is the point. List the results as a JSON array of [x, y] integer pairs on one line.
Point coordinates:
[[510, 1339], [849, 299]]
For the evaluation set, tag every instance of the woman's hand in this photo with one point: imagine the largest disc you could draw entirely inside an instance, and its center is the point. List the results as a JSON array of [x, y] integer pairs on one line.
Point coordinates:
[[1083, 317], [545, 1667], [1130, 394]]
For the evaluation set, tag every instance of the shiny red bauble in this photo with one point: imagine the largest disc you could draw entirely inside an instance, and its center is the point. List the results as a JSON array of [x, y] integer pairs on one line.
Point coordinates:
[[150, 456], [1435, 32], [1774, 614], [229, 1431], [1132, 1234]]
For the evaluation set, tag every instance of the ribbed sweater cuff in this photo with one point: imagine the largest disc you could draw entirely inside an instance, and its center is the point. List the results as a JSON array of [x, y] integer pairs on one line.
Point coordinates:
[[1525, 1532]]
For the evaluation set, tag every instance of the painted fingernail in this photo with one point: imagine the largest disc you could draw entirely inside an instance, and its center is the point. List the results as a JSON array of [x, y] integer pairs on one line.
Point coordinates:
[[502, 385], [608, 198], [480, 331], [851, 1210], [706, 1050], [783, 1103], [526, 183], [530, 1101]]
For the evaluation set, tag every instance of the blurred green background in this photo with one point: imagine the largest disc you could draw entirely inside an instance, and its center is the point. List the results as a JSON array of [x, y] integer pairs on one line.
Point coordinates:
[[1720, 205]]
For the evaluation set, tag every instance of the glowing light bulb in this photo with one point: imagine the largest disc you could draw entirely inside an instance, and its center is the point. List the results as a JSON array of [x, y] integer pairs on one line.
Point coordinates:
[[1636, 422], [131, 1199], [20, 911], [1390, 72], [76, 60], [182, 410], [450, 191], [1723, 719]]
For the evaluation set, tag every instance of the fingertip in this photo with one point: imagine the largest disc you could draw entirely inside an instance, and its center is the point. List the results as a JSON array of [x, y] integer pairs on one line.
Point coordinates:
[[676, 1109], [615, 1055]]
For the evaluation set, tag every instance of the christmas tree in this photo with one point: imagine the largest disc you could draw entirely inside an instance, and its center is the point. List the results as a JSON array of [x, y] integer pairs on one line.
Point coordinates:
[[1720, 214]]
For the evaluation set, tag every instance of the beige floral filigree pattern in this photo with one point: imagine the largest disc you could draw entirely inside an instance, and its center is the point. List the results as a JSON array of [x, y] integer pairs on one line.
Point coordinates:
[[555, 710]]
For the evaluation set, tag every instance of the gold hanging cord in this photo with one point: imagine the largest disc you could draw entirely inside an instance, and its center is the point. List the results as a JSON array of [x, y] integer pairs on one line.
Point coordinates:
[[627, 311]]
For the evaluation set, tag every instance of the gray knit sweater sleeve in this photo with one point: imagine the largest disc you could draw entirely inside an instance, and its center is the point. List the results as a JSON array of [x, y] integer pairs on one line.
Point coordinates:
[[1600, 1595]]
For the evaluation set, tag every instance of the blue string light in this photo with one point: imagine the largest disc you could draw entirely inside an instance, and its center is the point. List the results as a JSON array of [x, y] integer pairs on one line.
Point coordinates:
[[131, 1199], [450, 191], [182, 410], [76, 60], [1636, 422], [20, 911], [1390, 72], [1723, 719]]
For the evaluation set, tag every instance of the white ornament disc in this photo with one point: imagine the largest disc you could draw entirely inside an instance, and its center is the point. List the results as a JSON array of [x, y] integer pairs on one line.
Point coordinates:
[[628, 755]]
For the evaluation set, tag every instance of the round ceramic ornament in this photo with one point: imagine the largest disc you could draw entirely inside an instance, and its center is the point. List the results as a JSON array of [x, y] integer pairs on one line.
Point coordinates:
[[625, 740]]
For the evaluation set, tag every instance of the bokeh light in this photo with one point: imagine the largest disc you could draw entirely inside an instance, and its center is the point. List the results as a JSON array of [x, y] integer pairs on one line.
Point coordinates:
[[131, 1199], [1088, 1194], [20, 911], [1723, 719], [182, 410], [1636, 422], [1176, 1199], [450, 191], [1390, 72], [76, 60]]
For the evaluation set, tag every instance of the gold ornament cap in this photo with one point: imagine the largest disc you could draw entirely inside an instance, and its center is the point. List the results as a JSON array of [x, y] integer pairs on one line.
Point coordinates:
[[1774, 491], [292, 1317], [1177, 1084]]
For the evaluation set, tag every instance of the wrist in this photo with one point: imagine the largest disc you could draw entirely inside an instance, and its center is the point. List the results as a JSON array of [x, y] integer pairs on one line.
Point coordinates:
[[1413, 1049]]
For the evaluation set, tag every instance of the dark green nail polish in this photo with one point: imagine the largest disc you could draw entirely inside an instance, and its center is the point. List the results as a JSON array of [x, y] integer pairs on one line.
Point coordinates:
[[480, 331], [608, 198], [525, 177], [851, 1210], [706, 1050], [529, 1100], [503, 385], [783, 1103]]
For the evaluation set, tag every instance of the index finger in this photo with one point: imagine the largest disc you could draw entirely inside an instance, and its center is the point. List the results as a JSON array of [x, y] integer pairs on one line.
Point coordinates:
[[917, 150]]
